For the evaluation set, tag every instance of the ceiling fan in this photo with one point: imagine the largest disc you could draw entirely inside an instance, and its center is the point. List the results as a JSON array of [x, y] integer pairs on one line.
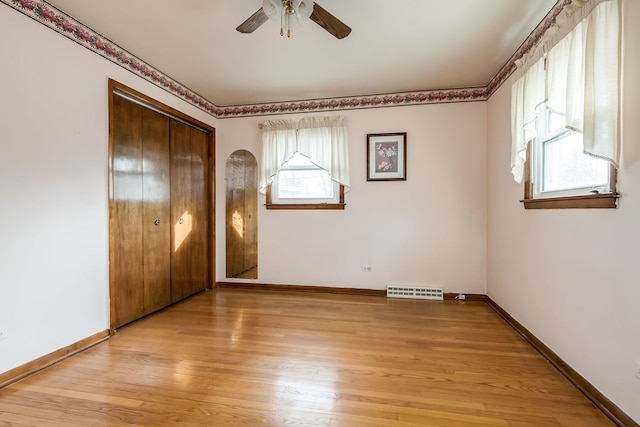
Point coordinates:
[[291, 13]]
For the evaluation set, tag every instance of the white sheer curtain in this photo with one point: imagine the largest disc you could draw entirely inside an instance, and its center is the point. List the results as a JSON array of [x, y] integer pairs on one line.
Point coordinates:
[[279, 143], [323, 139], [527, 93], [580, 83]]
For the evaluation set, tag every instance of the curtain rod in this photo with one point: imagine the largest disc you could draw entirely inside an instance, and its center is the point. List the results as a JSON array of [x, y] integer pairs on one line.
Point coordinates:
[[339, 117]]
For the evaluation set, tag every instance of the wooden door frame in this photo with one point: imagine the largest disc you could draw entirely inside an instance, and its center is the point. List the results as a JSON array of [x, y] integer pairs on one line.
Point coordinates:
[[134, 95]]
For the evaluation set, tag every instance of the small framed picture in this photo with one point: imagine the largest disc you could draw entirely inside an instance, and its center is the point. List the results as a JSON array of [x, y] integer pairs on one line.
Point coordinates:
[[387, 156]]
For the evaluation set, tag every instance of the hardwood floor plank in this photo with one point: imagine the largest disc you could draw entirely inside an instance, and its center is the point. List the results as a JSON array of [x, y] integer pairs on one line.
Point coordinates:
[[13, 419], [246, 357], [75, 394]]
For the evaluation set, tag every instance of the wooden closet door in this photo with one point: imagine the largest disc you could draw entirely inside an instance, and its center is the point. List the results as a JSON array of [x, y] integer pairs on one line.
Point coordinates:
[[126, 245], [156, 215], [140, 217], [189, 210]]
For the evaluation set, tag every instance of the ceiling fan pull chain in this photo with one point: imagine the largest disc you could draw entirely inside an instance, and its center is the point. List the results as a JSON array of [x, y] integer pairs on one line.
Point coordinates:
[[282, 22]]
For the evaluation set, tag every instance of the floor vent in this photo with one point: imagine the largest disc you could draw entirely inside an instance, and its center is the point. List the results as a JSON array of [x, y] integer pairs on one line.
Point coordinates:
[[419, 292]]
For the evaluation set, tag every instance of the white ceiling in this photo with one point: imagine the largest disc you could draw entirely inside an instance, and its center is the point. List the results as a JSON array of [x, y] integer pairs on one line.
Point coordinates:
[[395, 46]]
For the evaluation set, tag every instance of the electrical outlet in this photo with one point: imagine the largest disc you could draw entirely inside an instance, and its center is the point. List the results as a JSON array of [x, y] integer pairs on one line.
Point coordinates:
[[366, 269], [3, 334]]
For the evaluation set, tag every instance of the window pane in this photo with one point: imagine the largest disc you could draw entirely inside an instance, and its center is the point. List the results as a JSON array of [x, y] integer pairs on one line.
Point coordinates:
[[567, 167], [306, 184], [555, 123]]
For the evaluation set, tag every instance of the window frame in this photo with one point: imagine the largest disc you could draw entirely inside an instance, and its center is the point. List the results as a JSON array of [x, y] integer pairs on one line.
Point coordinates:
[[305, 206], [607, 200], [546, 133], [305, 203]]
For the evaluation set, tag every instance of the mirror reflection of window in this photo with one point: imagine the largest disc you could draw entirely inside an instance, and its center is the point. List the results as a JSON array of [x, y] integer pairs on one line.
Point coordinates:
[[241, 216]]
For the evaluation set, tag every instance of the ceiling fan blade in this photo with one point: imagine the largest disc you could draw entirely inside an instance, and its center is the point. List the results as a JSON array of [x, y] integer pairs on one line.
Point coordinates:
[[253, 22], [329, 22]]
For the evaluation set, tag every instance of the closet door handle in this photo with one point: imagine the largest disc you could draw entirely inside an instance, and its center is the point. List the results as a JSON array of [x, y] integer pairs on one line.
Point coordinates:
[[157, 221]]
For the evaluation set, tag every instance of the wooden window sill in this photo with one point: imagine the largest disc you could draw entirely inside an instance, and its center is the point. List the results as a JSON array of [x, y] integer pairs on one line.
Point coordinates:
[[591, 201], [306, 206], [326, 206]]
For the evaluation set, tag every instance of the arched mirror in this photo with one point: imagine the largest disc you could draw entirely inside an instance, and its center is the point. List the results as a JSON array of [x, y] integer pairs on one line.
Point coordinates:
[[242, 215]]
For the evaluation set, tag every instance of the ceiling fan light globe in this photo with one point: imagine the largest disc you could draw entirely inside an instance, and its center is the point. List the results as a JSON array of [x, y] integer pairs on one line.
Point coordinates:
[[304, 8], [274, 9]]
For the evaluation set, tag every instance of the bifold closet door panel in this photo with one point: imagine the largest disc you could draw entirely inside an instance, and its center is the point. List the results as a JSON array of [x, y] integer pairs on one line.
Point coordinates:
[[126, 268], [189, 230], [200, 244], [156, 210], [140, 265]]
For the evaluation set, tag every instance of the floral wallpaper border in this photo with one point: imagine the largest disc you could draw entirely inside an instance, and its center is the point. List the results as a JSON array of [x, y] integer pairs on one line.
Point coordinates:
[[53, 18], [357, 102]]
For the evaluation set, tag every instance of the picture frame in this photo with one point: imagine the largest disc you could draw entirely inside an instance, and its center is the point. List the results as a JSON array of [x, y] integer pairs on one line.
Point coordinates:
[[387, 156]]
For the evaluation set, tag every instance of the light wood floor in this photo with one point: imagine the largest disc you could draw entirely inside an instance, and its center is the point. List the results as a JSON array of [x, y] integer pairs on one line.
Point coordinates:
[[253, 358]]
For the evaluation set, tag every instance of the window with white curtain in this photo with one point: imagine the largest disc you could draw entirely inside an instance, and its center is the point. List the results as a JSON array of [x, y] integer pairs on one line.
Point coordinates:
[[305, 165], [300, 181], [564, 111]]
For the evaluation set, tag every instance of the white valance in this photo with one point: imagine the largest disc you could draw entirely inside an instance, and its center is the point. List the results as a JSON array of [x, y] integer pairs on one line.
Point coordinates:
[[577, 78], [322, 139], [279, 142]]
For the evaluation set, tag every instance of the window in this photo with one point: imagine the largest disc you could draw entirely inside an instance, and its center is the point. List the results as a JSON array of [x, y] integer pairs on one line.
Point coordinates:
[[564, 111], [560, 166], [305, 165], [300, 182]]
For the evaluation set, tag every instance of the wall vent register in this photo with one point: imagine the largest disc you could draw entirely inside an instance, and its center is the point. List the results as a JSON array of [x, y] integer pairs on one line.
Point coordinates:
[[418, 292]]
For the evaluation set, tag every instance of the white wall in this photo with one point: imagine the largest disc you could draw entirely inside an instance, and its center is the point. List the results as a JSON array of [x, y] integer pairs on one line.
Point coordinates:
[[572, 276], [53, 187], [428, 230]]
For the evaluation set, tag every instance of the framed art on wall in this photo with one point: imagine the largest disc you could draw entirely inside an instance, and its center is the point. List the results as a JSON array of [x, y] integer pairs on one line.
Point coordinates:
[[387, 156]]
